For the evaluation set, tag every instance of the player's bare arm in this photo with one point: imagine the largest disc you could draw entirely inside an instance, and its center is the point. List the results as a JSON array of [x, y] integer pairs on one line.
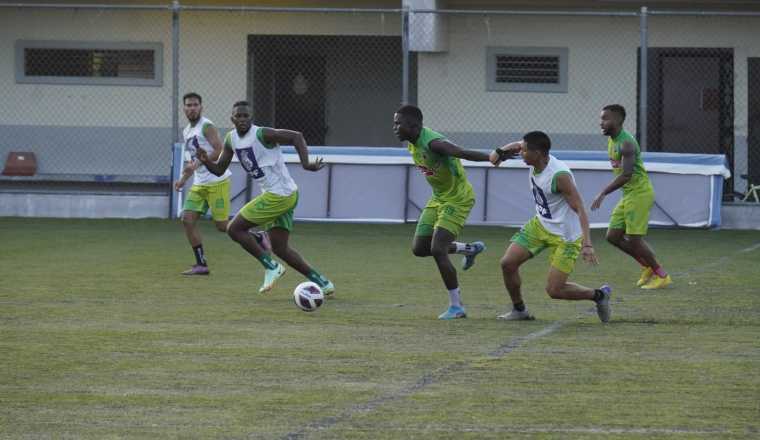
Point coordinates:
[[569, 191], [628, 153], [212, 136], [444, 147], [296, 139], [218, 167]]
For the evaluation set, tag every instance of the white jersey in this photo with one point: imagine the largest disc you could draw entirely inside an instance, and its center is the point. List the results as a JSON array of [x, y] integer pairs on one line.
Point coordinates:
[[264, 163], [195, 139], [552, 209]]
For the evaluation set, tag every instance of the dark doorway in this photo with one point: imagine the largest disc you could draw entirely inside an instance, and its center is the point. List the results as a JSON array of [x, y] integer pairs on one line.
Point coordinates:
[[336, 89], [691, 101], [753, 122], [300, 96]]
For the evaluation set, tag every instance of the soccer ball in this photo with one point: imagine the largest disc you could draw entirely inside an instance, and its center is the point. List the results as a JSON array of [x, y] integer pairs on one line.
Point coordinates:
[[308, 296]]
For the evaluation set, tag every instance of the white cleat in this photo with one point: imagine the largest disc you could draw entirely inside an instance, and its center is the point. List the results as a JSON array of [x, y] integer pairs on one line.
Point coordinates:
[[270, 277], [516, 315]]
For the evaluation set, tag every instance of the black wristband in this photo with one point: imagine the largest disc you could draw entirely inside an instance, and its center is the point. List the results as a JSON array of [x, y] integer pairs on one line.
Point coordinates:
[[503, 154]]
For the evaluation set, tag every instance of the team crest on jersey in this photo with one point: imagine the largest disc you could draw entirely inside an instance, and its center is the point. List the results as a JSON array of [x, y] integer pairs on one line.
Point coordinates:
[[249, 163], [192, 146], [426, 171], [615, 163], [542, 204]]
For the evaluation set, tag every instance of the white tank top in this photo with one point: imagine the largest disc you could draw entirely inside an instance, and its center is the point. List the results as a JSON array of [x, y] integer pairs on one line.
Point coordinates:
[[264, 163], [552, 209], [194, 139]]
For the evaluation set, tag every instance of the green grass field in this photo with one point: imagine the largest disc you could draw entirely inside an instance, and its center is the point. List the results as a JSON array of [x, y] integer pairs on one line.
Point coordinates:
[[100, 338]]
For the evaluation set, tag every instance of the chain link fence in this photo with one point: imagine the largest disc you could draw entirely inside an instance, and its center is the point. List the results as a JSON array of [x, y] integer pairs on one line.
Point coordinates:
[[95, 91], [704, 89], [88, 91]]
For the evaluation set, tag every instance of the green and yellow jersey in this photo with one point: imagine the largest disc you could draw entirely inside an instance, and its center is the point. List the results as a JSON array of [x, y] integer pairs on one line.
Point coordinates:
[[445, 174], [640, 179]]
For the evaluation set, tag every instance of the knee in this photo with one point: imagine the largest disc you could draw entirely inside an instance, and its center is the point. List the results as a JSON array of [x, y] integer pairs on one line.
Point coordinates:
[[439, 251], [554, 291], [420, 251], [508, 266], [187, 220], [234, 233], [613, 239]]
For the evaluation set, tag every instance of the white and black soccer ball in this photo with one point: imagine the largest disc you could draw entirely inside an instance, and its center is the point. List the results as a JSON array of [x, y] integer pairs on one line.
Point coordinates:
[[308, 296]]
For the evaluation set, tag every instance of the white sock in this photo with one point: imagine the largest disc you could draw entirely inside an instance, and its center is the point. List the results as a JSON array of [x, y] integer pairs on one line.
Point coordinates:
[[462, 248], [454, 298]]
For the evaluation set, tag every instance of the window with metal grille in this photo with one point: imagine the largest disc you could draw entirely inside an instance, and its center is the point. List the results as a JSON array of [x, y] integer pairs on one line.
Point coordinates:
[[527, 69], [89, 63]]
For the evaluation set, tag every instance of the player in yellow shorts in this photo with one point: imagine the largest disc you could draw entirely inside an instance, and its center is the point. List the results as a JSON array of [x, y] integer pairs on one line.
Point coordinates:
[[208, 191], [560, 225], [444, 216], [258, 149], [630, 218]]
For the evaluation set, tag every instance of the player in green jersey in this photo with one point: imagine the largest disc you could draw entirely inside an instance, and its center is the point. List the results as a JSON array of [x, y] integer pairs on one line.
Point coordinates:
[[444, 216], [630, 218]]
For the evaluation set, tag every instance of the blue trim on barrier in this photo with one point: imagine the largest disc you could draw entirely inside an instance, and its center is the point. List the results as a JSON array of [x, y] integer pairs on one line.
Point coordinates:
[[716, 203], [684, 158]]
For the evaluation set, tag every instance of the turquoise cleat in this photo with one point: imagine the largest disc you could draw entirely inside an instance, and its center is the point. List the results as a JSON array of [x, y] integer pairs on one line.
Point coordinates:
[[453, 312], [270, 277], [328, 289], [469, 259]]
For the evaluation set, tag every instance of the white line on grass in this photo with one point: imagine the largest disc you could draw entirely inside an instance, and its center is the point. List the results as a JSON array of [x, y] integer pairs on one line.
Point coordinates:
[[552, 430], [423, 382], [517, 342]]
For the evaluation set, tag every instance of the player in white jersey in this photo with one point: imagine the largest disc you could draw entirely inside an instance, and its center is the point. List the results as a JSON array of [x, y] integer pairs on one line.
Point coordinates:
[[560, 223], [258, 149], [208, 191]]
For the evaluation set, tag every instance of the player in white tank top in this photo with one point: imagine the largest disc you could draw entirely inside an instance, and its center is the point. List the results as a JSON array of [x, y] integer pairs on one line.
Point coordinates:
[[208, 190], [561, 224], [258, 149]]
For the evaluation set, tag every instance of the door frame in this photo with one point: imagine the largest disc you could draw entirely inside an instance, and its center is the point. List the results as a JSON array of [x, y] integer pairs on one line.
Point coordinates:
[[655, 97]]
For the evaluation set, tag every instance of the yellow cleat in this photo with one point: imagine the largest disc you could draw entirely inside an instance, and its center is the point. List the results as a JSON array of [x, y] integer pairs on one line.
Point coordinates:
[[658, 283], [646, 275]]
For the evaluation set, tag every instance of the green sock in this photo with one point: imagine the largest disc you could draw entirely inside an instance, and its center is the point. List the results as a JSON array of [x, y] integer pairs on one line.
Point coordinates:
[[267, 261], [317, 278]]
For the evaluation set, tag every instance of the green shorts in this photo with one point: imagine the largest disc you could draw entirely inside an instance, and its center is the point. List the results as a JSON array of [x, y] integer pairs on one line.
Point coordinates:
[[632, 213], [270, 210], [535, 238], [215, 196], [446, 215]]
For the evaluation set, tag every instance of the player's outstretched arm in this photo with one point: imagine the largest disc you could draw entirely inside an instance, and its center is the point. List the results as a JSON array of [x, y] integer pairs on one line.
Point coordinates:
[[442, 146], [216, 168], [296, 139], [569, 191], [628, 153]]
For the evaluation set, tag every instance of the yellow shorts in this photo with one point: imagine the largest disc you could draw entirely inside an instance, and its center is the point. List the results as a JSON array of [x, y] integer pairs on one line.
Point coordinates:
[[270, 210], [632, 213], [445, 215], [215, 196], [535, 238]]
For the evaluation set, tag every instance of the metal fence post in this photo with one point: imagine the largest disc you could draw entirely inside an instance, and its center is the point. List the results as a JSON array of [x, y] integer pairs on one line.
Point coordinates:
[[405, 55], [643, 79], [175, 102]]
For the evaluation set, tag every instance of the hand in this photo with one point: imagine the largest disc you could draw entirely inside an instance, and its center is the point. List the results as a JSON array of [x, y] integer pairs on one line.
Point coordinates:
[[588, 254], [597, 202], [202, 156], [178, 185], [317, 165], [494, 158], [513, 148]]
